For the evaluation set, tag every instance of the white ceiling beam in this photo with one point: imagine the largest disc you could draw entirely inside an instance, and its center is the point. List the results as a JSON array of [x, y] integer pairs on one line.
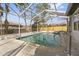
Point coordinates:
[[38, 14], [44, 11], [59, 16], [31, 11], [25, 9]]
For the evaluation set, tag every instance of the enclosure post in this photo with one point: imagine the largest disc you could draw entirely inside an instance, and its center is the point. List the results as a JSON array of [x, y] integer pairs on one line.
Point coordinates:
[[69, 32], [37, 26], [62, 27], [1, 25], [51, 25], [19, 28], [46, 27]]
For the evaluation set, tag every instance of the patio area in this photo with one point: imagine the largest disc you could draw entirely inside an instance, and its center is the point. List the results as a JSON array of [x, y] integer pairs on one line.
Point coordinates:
[[28, 20], [13, 47]]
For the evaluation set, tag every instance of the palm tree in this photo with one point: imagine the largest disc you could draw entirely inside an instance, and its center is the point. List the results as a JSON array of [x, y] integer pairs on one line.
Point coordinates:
[[35, 24], [40, 8]]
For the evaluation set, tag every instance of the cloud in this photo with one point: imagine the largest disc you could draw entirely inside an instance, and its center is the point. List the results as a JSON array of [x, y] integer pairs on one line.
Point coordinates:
[[58, 4], [52, 6], [61, 6]]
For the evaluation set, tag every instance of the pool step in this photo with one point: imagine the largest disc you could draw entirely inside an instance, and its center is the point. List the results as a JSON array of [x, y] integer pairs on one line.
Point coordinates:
[[9, 46], [28, 50], [5, 41], [15, 51]]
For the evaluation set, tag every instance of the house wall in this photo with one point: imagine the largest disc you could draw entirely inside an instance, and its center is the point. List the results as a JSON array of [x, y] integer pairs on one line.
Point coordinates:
[[75, 35]]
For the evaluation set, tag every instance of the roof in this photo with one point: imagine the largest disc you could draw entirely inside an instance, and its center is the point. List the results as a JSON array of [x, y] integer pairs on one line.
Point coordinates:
[[12, 24], [72, 8]]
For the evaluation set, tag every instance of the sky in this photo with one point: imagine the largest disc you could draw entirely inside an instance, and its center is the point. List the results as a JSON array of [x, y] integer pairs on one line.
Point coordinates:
[[13, 18], [60, 7]]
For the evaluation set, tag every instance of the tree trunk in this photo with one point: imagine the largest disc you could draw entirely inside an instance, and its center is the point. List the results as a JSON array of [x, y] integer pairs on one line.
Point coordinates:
[[6, 21], [25, 25], [6, 24]]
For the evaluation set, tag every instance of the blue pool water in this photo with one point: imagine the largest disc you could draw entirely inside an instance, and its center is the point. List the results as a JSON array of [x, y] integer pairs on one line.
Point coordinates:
[[45, 39]]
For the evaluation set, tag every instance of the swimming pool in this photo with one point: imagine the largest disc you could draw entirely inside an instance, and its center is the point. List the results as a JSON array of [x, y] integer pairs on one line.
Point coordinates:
[[45, 39]]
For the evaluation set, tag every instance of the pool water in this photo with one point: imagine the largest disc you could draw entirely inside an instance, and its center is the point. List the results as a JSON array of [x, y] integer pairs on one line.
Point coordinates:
[[45, 39]]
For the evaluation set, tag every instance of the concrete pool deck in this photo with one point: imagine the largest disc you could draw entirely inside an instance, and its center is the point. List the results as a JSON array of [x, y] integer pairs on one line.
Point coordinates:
[[10, 46], [13, 47]]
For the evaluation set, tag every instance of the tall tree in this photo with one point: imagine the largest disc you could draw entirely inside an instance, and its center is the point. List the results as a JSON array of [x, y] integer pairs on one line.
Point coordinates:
[[6, 14], [21, 7], [40, 8], [1, 14]]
